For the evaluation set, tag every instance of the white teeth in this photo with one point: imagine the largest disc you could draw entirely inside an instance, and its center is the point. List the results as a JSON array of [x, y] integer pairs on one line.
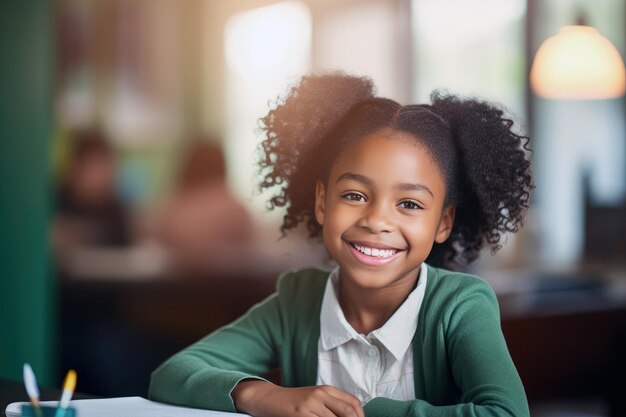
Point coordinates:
[[379, 253]]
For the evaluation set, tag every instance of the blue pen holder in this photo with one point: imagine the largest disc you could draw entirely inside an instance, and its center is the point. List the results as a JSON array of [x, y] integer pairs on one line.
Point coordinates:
[[46, 411]]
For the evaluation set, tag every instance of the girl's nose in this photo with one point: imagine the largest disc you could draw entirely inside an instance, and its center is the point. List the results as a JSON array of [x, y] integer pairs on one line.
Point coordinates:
[[377, 219]]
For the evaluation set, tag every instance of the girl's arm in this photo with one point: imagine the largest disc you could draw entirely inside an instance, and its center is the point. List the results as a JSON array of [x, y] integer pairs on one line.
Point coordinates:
[[480, 362], [204, 374], [218, 372]]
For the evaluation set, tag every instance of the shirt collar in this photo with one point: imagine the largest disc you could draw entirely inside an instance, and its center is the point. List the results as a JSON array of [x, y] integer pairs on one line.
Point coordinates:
[[395, 335], [334, 328]]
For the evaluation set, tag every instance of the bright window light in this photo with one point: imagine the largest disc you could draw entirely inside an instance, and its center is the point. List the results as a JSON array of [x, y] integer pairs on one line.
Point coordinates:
[[268, 40]]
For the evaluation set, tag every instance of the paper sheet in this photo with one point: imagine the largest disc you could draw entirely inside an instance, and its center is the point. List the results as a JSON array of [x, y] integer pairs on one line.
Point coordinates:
[[127, 407]]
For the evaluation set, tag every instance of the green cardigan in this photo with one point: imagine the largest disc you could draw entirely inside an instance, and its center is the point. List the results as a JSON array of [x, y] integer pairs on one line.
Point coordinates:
[[462, 365]]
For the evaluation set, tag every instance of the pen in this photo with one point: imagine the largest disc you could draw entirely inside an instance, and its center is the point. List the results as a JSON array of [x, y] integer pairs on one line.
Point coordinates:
[[31, 388], [68, 390]]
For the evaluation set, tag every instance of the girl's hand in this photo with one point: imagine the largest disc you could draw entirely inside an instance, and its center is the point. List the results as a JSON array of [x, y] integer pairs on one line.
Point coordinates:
[[263, 399]]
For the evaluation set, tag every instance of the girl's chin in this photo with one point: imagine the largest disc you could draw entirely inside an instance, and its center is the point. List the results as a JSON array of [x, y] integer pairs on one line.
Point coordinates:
[[377, 278], [368, 279]]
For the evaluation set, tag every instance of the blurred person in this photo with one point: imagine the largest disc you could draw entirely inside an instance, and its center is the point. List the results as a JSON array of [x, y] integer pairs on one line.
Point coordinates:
[[202, 225], [91, 233], [88, 211]]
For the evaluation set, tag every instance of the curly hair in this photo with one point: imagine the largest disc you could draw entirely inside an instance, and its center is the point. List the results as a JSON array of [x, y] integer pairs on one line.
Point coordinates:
[[485, 164]]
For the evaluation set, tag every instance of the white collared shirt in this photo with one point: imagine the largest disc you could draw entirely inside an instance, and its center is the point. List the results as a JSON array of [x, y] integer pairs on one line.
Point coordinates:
[[379, 364]]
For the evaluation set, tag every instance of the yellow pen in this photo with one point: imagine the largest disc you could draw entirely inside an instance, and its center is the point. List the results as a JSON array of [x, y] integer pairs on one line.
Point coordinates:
[[32, 389], [69, 385]]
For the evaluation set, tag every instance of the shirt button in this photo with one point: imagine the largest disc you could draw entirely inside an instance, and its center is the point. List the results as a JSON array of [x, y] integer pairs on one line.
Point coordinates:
[[372, 352]]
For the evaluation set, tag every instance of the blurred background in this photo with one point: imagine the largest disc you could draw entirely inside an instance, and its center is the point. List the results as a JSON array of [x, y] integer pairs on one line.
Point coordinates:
[[129, 221]]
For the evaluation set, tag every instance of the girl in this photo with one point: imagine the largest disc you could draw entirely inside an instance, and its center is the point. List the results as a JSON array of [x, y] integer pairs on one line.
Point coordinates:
[[395, 193]]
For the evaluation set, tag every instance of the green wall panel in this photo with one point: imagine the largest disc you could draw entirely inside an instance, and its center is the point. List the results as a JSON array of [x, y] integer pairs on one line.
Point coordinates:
[[26, 286]]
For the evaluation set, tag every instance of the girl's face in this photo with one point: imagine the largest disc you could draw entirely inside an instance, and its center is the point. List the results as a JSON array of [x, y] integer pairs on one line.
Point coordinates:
[[382, 209]]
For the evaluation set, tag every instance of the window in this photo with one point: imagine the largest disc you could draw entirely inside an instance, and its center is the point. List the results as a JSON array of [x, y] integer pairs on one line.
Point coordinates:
[[265, 49], [470, 48]]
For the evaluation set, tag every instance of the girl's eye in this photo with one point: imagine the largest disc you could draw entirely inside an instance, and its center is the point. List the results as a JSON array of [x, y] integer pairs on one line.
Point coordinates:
[[410, 205], [353, 197]]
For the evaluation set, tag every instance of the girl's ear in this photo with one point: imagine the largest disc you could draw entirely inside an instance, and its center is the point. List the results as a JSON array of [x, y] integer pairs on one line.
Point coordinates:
[[320, 202], [445, 224]]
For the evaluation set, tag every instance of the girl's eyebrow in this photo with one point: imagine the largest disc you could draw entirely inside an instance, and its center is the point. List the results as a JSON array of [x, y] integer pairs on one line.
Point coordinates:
[[415, 187], [368, 182], [355, 177]]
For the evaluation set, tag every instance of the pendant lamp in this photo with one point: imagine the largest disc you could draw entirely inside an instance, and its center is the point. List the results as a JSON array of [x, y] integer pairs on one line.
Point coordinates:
[[578, 63]]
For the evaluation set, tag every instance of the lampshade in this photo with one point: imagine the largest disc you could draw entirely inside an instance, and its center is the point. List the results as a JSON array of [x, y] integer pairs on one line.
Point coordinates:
[[578, 63]]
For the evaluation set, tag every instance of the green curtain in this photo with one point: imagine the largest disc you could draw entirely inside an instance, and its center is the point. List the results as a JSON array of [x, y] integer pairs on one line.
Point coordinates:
[[26, 285]]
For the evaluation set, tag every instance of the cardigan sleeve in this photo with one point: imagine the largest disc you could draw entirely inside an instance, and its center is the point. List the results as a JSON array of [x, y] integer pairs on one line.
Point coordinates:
[[204, 374], [479, 361]]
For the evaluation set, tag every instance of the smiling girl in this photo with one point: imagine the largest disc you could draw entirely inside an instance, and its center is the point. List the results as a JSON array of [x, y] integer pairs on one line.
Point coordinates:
[[396, 193]]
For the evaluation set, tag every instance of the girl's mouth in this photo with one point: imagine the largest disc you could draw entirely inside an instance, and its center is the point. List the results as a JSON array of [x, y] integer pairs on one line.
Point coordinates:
[[373, 256]]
